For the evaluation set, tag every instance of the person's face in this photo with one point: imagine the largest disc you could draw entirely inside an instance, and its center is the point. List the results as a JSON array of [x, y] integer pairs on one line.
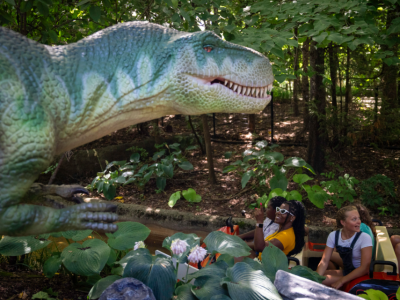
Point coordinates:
[[280, 217], [352, 221], [270, 211]]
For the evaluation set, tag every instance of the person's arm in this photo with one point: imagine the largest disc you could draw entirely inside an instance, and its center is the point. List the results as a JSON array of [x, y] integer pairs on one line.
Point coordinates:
[[366, 254], [259, 243], [247, 235], [277, 243], [323, 264]]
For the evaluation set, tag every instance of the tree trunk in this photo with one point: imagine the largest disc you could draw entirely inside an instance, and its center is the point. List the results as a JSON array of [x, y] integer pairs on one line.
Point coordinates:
[[305, 85], [389, 76], [317, 138], [207, 142], [347, 97], [333, 70], [252, 123], [296, 82]]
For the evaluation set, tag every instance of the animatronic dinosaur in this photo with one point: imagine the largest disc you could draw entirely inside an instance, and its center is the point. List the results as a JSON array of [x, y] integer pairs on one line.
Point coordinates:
[[53, 99]]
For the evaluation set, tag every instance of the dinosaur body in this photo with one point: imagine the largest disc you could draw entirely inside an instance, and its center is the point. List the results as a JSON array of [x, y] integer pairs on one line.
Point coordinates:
[[53, 99]]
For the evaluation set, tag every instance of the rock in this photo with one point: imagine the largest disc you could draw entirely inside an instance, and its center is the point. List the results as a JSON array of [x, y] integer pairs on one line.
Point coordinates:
[[127, 289], [295, 287]]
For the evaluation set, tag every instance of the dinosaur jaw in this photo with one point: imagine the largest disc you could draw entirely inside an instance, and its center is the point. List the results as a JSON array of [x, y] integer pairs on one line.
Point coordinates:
[[230, 94]]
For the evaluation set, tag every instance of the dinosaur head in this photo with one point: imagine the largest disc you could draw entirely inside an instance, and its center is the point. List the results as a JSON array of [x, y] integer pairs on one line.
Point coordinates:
[[217, 76]]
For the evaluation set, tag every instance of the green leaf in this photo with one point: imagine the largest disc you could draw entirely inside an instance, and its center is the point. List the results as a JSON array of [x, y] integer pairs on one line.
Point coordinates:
[[186, 165], [229, 168], [127, 235], [52, 265], [191, 196], [168, 170], [135, 157], [112, 258], [15, 246], [82, 2], [217, 269], [157, 272], [316, 195], [320, 38], [309, 168], [398, 294], [184, 292], [95, 13], [191, 239], [273, 259], [296, 162], [161, 182], [274, 157], [277, 192], [228, 154], [87, 259], [219, 242], [278, 181], [43, 8], [294, 195], [246, 177], [229, 28], [229, 259], [174, 198], [174, 3], [280, 78], [109, 191], [207, 286], [157, 155], [307, 273], [41, 295], [245, 283], [101, 285], [301, 178], [12, 2], [278, 52]]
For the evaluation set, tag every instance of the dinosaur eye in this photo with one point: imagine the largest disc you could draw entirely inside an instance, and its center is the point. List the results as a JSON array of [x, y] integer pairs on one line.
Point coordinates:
[[208, 48]]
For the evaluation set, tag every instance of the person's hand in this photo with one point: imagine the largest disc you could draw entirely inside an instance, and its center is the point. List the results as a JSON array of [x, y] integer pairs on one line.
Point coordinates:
[[259, 214], [338, 284]]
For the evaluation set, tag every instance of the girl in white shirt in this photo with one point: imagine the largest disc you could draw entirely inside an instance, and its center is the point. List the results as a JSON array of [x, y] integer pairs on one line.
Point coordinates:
[[353, 246]]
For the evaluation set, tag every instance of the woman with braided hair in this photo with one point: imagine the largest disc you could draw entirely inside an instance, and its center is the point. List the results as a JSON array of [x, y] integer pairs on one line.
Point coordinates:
[[268, 225], [290, 236]]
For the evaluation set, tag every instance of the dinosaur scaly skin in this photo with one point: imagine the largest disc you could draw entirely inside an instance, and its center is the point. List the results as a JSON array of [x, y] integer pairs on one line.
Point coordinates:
[[53, 99]]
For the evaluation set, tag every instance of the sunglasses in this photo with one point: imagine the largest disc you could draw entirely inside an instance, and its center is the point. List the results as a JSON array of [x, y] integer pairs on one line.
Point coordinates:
[[283, 211]]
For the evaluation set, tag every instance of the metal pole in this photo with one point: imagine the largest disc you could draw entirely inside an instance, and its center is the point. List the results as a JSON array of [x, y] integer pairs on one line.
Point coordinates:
[[272, 117], [214, 124]]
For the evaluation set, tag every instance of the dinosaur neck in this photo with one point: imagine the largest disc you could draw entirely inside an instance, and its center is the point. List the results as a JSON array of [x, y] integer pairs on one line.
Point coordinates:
[[110, 125]]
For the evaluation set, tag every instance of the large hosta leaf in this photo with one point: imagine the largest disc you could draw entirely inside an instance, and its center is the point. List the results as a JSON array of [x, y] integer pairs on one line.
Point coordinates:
[[14, 246], [52, 265], [157, 272], [191, 239], [127, 235], [273, 259], [219, 242], [305, 272], [87, 259], [77, 235], [221, 297], [244, 282], [254, 264], [206, 287], [101, 285], [184, 292], [217, 269]]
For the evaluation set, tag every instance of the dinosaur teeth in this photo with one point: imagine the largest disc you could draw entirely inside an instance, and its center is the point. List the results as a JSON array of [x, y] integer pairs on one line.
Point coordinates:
[[255, 92]]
